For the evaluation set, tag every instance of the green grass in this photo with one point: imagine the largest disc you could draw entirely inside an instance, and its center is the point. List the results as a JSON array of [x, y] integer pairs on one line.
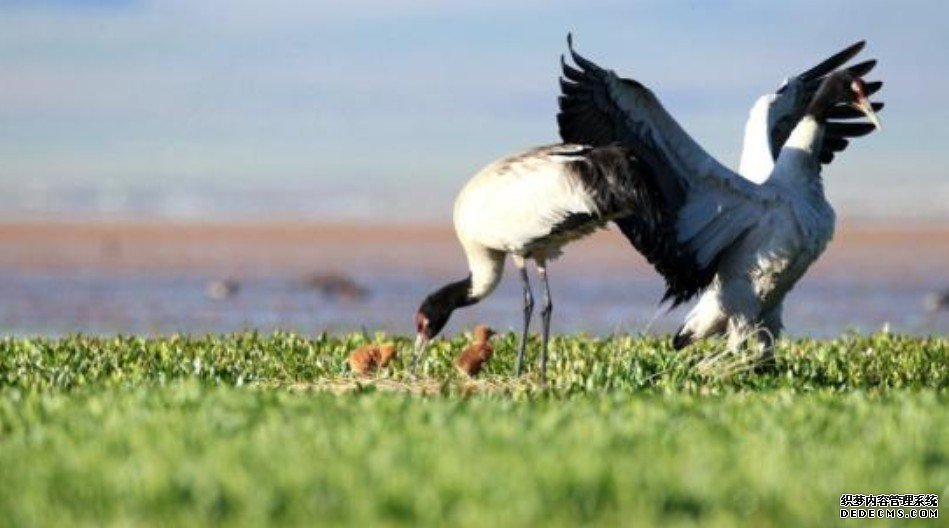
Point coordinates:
[[253, 430]]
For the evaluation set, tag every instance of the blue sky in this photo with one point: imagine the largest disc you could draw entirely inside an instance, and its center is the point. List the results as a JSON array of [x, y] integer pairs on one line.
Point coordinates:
[[411, 97]]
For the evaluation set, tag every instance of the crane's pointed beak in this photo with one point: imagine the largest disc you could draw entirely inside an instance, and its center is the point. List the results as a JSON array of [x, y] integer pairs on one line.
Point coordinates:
[[421, 342], [863, 104]]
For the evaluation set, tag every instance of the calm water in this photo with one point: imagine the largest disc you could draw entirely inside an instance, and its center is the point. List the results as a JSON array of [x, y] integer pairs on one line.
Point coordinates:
[[103, 304]]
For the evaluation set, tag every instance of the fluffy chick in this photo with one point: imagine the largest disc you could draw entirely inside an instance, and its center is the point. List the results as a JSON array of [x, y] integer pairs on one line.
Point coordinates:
[[368, 358], [387, 353], [473, 358]]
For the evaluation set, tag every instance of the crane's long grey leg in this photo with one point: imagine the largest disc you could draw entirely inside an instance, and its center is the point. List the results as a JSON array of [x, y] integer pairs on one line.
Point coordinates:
[[740, 302], [528, 311], [545, 317], [770, 331]]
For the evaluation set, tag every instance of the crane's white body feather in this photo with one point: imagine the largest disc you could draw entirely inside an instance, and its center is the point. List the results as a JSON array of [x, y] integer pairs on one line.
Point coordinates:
[[514, 202], [511, 206]]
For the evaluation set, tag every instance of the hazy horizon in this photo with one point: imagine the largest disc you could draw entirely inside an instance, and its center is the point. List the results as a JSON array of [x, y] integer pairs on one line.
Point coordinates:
[[323, 111]]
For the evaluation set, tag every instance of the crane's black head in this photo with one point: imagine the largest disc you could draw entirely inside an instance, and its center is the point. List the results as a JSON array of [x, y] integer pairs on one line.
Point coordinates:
[[842, 87], [432, 316], [437, 308]]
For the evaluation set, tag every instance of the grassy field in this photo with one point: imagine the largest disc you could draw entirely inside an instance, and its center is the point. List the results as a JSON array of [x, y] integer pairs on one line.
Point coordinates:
[[250, 430]]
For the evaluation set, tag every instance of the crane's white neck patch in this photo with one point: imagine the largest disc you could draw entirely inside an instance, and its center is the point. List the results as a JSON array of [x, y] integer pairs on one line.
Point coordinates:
[[805, 136]]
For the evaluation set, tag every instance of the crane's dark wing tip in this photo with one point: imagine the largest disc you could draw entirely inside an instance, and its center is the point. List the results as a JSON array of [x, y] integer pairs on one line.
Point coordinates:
[[835, 144], [584, 105], [863, 68], [833, 62], [579, 60], [835, 129], [849, 112], [571, 73]]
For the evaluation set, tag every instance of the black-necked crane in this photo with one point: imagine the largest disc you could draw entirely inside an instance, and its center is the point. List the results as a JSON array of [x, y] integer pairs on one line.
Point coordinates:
[[626, 160], [769, 125]]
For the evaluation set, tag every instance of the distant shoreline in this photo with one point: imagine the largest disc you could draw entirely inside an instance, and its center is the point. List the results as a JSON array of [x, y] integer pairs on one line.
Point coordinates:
[[278, 247]]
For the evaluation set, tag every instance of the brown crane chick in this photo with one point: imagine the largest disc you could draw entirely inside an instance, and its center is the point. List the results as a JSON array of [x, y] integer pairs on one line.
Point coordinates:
[[472, 360], [368, 358], [387, 353]]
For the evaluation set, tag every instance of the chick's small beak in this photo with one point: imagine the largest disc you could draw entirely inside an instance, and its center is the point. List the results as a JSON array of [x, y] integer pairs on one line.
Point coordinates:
[[863, 104]]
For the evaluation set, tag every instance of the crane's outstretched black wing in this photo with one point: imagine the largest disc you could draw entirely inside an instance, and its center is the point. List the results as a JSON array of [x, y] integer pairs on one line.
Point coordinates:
[[712, 206]]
